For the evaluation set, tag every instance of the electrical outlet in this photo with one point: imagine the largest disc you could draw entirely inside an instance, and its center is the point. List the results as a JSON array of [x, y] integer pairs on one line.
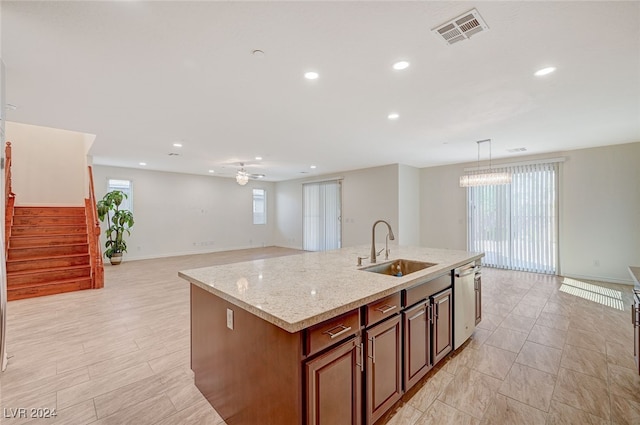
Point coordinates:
[[230, 318]]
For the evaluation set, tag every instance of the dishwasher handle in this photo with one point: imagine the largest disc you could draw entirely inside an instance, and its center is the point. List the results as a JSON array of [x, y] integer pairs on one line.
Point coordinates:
[[468, 271]]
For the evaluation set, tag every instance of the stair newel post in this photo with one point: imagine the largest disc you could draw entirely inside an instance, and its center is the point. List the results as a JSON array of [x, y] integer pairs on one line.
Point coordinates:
[[9, 197], [93, 229]]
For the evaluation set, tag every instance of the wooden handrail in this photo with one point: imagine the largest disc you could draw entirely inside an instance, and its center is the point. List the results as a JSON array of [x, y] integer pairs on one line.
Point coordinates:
[[93, 230], [9, 197]]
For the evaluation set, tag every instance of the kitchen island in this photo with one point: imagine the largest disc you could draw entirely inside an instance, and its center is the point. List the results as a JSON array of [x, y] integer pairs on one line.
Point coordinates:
[[300, 339]]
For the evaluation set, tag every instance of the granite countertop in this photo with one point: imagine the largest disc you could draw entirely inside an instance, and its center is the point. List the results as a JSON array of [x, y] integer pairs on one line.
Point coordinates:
[[635, 274], [298, 291]]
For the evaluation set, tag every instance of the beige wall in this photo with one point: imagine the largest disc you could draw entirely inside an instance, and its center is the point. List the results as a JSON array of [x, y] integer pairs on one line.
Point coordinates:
[[180, 214], [367, 195], [599, 206], [49, 166], [408, 205], [443, 212]]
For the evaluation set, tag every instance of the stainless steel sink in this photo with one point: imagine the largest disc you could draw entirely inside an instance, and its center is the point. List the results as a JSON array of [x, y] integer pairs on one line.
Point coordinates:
[[400, 267]]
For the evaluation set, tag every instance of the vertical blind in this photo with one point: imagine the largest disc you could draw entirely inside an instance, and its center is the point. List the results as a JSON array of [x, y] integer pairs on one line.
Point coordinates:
[[321, 215], [516, 224]]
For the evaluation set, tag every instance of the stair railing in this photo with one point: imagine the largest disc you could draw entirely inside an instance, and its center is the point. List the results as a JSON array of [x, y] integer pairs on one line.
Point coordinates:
[[9, 197], [93, 231]]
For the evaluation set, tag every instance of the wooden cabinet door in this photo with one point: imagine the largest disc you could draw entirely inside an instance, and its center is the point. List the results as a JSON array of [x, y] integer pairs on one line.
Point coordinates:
[[477, 284], [384, 367], [417, 343], [334, 386], [442, 332]]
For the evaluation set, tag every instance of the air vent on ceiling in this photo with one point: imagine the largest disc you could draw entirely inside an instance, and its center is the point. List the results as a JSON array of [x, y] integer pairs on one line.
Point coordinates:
[[462, 27], [513, 150]]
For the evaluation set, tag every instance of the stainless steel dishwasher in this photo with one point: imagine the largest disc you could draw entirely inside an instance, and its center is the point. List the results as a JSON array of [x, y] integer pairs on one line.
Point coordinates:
[[464, 307]]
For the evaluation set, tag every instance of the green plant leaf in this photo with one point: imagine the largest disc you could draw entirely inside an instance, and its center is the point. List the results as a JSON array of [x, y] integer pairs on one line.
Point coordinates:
[[118, 222]]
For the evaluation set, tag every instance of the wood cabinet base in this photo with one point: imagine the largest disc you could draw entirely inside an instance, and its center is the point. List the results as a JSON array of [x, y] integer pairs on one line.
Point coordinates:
[[251, 374]]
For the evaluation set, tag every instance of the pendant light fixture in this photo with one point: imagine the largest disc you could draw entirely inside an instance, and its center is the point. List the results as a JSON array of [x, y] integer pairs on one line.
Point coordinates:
[[484, 179], [242, 177]]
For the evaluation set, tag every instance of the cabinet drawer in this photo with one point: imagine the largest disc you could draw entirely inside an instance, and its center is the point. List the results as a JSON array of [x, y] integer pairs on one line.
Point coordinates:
[[327, 333], [426, 289], [381, 309]]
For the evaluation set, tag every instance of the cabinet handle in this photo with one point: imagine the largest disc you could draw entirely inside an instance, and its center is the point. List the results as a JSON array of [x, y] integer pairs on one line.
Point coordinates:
[[361, 364], [373, 350], [340, 330], [385, 308], [430, 314]]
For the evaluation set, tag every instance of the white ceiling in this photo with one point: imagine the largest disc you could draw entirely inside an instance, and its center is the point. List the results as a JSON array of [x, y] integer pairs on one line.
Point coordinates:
[[143, 75]]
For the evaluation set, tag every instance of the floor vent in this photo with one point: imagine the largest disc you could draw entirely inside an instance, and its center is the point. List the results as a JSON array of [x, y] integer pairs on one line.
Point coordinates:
[[461, 28]]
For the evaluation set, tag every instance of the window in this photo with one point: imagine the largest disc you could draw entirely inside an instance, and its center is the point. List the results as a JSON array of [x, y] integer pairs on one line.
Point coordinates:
[[515, 225], [125, 187], [321, 212], [259, 206]]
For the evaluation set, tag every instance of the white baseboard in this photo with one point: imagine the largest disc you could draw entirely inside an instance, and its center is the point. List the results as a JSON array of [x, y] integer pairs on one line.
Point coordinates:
[[128, 257], [600, 279]]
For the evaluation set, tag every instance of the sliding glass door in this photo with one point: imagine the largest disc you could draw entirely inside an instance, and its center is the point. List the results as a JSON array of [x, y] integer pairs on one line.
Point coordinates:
[[322, 215], [516, 224]]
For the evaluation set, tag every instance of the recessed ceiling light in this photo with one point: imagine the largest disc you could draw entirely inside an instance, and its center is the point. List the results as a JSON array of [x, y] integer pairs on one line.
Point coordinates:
[[142, 163], [311, 75], [177, 145], [313, 167], [258, 158], [393, 116], [544, 71], [258, 53], [401, 65], [211, 171]]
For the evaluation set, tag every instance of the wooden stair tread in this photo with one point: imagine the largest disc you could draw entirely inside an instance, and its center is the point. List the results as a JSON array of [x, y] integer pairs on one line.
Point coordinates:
[[26, 210], [60, 256], [26, 241], [63, 226], [48, 270], [22, 248], [14, 253], [50, 288], [51, 282], [45, 236]]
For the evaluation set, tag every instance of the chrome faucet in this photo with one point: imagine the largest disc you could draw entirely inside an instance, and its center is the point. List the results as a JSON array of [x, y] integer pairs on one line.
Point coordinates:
[[373, 239]]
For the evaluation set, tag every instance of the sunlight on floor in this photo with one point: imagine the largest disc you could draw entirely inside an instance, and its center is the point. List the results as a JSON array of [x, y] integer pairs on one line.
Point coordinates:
[[598, 294]]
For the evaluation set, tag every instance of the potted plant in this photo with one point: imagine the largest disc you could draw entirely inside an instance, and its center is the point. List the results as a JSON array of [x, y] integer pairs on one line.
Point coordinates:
[[119, 222]]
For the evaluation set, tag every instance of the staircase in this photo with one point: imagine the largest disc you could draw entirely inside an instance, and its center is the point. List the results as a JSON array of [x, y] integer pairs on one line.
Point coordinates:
[[48, 252]]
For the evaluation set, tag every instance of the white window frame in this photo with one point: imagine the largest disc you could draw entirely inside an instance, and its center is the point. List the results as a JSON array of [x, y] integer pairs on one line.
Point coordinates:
[[127, 204], [259, 217]]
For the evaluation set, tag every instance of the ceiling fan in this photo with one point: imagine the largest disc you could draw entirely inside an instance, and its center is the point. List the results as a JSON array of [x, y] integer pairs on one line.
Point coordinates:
[[242, 176]]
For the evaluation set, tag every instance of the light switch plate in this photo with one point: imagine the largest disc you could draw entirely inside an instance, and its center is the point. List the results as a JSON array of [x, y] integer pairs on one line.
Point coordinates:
[[230, 318]]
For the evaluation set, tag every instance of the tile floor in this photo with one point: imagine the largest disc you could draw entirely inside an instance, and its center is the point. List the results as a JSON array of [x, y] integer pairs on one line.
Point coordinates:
[[546, 352]]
